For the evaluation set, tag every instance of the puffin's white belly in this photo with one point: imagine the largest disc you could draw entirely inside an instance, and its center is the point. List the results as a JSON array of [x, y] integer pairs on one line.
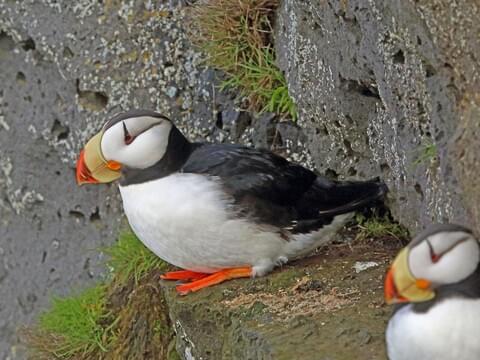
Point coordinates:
[[183, 218], [450, 330]]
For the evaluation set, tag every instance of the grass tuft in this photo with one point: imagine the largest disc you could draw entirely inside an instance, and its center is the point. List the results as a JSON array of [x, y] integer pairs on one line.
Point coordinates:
[[129, 258], [103, 322], [143, 328], [237, 37], [380, 227], [73, 326]]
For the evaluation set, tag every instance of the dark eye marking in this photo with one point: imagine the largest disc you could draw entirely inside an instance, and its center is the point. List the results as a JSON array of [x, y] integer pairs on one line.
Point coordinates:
[[126, 135], [436, 257]]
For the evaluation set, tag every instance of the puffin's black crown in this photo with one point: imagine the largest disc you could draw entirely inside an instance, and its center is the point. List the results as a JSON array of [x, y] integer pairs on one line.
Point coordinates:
[[438, 228], [132, 114]]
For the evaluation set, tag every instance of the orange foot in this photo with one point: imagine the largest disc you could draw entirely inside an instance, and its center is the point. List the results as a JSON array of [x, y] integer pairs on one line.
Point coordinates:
[[183, 275], [213, 279]]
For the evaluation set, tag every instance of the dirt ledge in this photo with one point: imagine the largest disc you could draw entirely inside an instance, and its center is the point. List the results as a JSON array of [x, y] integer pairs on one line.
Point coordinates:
[[316, 308]]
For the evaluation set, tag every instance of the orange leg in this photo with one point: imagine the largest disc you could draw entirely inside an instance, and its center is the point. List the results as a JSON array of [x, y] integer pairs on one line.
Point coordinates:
[[183, 275], [215, 278]]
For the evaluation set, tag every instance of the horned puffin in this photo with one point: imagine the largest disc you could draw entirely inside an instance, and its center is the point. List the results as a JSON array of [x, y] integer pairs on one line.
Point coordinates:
[[435, 282], [218, 211]]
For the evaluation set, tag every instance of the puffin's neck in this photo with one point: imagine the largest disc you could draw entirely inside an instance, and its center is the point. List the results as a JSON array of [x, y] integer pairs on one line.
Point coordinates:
[[466, 289], [177, 153]]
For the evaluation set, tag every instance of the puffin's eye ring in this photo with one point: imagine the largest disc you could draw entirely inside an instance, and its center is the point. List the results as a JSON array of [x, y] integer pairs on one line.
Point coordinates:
[[126, 135]]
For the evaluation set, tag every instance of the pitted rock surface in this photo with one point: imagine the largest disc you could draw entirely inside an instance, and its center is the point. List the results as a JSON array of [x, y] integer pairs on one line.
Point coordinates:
[[381, 86]]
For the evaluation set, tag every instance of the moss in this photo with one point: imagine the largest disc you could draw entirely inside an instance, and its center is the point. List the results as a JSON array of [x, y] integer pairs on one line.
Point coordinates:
[[380, 227], [237, 37], [172, 352], [427, 152], [143, 329]]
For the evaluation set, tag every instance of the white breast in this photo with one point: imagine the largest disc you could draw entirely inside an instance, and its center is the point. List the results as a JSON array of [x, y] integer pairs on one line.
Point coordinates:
[[187, 220], [450, 330], [184, 219]]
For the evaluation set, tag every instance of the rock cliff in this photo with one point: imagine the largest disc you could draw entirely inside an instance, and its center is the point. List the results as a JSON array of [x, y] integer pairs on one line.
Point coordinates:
[[383, 88]]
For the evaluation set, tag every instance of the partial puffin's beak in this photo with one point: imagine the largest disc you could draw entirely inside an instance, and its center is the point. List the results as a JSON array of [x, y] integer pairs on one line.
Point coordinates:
[[401, 286], [92, 168]]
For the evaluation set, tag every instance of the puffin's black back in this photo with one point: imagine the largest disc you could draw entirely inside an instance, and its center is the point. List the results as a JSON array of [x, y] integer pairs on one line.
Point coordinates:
[[269, 189]]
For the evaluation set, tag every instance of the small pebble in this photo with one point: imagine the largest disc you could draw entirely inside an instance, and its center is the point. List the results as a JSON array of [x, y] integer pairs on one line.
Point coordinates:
[[364, 265]]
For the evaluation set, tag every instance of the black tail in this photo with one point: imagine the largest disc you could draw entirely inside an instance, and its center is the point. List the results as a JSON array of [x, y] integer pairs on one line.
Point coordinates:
[[330, 198]]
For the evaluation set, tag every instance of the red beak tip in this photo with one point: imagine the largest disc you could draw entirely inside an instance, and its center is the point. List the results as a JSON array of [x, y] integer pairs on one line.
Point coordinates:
[[83, 174], [391, 294], [390, 291]]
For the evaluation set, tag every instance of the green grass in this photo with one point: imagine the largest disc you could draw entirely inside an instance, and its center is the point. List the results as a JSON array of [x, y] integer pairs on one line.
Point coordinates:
[[74, 325], [428, 151], [237, 37], [97, 323], [129, 258], [378, 227]]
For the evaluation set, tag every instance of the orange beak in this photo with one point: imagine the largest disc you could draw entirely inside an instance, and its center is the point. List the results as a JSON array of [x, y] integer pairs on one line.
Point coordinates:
[[400, 284], [84, 176], [92, 167], [391, 293]]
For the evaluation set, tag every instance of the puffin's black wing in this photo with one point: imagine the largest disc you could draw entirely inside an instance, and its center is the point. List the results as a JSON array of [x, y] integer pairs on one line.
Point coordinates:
[[270, 190], [247, 171]]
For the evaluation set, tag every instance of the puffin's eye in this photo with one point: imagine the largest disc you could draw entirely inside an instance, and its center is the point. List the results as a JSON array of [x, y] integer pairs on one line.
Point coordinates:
[[434, 257], [126, 135]]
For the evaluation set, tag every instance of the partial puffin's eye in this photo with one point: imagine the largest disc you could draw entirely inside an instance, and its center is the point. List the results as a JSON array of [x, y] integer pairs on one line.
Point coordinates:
[[126, 135], [434, 257]]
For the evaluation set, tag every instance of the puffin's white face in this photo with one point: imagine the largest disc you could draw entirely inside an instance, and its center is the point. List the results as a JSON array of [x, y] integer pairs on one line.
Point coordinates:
[[445, 257], [136, 142], [442, 255], [136, 139]]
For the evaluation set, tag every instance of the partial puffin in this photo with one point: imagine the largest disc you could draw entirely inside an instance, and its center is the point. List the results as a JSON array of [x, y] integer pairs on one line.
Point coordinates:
[[218, 211], [436, 282]]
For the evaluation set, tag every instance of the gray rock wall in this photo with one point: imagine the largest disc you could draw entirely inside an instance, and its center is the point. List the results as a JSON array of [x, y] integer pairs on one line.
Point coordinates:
[[379, 84], [384, 88]]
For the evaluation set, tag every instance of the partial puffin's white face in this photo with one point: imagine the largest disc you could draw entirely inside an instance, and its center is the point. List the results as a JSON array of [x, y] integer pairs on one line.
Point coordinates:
[[137, 142], [444, 257]]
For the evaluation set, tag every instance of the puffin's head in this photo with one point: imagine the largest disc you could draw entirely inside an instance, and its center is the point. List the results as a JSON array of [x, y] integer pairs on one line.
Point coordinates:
[[136, 139], [443, 254]]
